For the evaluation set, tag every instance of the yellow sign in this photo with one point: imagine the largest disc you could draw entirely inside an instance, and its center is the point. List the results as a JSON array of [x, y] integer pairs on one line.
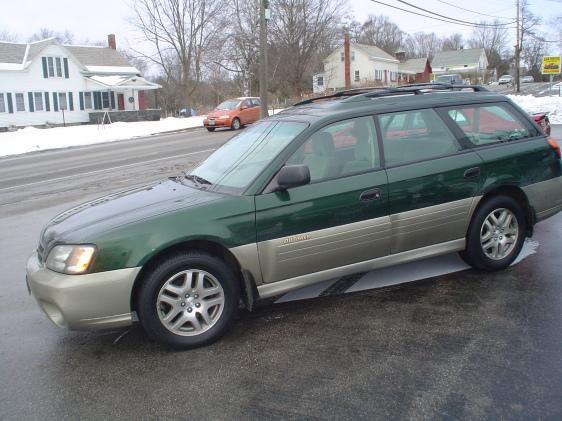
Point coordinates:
[[550, 65]]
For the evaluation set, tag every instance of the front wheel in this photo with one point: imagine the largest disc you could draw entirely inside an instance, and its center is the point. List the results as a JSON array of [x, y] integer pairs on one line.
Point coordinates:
[[211, 129], [496, 234], [189, 300], [236, 124]]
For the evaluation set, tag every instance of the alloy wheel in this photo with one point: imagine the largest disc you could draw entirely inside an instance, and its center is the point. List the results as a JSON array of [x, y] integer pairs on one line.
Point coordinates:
[[499, 233], [190, 302]]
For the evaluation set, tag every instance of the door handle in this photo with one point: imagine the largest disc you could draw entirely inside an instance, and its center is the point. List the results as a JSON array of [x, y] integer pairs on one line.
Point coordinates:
[[472, 172], [369, 195]]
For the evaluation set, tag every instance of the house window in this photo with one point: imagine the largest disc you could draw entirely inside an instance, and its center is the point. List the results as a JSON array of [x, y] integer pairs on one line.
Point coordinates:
[[20, 103], [342, 56], [58, 66], [378, 74], [2, 104], [393, 76], [38, 101], [51, 66], [62, 101], [105, 99], [357, 76], [353, 56], [88, 100], [320, 81]]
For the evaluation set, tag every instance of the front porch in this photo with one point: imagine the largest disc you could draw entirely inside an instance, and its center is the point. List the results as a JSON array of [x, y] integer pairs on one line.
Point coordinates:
[[124, 115]]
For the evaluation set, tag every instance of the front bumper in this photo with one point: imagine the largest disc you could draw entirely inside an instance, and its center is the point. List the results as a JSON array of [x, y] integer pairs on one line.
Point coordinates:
[[218, 122], [83, 302]]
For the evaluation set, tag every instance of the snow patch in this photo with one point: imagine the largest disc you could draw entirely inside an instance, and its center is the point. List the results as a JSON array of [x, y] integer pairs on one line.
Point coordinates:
[[550, 104], [32, 139]]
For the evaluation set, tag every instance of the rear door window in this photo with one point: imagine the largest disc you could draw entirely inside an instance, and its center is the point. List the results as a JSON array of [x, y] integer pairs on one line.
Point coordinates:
[[489, 124], [415, 136]]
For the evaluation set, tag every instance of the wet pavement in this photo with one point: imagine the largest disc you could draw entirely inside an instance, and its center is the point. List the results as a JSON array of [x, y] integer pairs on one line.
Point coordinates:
[[465, 344]]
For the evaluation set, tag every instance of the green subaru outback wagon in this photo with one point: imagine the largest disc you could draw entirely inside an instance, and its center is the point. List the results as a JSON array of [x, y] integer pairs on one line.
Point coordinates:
[[329, 187]]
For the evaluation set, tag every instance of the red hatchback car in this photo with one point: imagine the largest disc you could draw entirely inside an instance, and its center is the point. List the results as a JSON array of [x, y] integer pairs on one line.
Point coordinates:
[[234, 113]]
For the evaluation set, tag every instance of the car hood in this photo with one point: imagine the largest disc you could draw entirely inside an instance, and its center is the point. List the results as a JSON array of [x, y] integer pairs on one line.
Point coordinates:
[[121, 208]]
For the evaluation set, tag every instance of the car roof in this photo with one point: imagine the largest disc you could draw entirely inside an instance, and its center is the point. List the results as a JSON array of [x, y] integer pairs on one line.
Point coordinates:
[[326, 107]]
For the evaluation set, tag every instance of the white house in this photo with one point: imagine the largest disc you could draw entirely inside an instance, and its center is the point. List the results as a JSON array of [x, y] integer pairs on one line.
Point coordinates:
[[46, 82], [368, 66], [470, 60]]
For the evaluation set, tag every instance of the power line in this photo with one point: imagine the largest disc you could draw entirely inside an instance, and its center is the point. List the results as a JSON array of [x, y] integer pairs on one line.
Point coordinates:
[[471, 11], [471, 25], [456, 20]]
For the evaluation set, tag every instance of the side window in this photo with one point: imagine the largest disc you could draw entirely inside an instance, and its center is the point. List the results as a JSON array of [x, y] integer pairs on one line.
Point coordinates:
[[415, 135], [484, 125], [256, 102], [340, 149]]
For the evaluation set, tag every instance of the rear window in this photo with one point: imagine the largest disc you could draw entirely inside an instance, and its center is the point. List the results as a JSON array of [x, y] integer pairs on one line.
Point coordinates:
[[489, 124], [414, 136]]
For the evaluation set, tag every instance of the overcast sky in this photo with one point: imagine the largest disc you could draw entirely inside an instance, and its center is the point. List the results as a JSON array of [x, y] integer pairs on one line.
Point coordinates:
[[93, 21]]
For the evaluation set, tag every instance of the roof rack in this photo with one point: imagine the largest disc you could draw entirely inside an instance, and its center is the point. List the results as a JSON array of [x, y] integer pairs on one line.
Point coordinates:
[[362, 94]]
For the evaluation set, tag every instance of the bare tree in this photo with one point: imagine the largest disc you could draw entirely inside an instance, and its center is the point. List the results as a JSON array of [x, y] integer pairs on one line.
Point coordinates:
[[300, 31], [531, 55], [65, 37], [452, 42], [494, 41], [422, 44], [379, 30], [180, 32], [8, 36]]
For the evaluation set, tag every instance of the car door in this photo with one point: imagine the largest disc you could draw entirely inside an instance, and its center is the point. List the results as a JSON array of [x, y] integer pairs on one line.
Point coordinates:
[[256, 109], [339, 218], [246, 112], [432, 179]]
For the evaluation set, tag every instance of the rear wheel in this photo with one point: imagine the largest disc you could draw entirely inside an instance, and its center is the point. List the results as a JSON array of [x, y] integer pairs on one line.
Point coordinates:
[[236, 124], [189, 300], [211, 129], [496, 234]]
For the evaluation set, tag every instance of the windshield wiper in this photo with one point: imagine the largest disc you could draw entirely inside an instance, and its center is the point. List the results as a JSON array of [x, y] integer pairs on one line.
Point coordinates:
[[197, 179]]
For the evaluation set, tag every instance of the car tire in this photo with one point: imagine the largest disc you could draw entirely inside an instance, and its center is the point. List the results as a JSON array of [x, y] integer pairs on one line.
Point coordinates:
[[211, 129], [495, 235], [236, 124], [189, 300]]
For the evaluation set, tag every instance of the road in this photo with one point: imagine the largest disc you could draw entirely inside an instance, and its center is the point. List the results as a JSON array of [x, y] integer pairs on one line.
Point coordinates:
[[535, 89], [462, 345]]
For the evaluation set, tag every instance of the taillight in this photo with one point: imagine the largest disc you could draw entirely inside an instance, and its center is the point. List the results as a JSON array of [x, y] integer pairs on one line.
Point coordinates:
[[554, 145]]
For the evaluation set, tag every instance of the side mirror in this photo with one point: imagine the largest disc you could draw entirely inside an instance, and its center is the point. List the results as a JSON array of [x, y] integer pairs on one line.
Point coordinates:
[[292, 176], [243, 107]]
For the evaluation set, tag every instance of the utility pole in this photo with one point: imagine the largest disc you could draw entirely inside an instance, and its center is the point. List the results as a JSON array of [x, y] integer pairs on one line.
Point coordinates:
[[264, 17], [517, 51]]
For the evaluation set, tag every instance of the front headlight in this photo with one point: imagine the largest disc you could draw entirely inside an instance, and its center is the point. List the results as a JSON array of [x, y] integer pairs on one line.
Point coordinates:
[[72, 260]]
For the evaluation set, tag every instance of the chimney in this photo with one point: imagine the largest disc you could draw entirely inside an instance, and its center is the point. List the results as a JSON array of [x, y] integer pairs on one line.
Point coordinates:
[[346, 59], [400, 55], [111, 41]]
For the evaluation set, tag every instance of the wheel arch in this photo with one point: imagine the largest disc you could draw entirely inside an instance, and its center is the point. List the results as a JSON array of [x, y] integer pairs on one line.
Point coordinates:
[[517, 194], [247, 285]]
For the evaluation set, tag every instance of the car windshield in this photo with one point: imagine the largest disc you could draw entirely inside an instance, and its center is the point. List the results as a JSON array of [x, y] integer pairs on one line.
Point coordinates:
[[232, 167], [229, 104]]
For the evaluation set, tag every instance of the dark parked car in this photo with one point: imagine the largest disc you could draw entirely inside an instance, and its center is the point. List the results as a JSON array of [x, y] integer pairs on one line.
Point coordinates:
[[330, 187]]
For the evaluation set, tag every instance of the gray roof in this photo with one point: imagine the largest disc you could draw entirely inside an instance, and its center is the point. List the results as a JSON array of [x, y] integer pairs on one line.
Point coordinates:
[[36, 47], [463, 57], [415, 65], [12, 52], [373, 51], [98, 56]]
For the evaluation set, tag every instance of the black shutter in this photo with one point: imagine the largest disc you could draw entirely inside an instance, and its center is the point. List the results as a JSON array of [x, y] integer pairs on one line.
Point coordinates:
[[31, 104], [65, 60], [81, 99], [70, 101], [112, 96], [47, 102], [97, 100], [55, 101], [10, 103], [45, 73]]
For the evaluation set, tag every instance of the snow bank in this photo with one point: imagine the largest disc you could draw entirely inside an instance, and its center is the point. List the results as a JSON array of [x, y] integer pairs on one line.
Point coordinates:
[[550, 104], [31, 139]]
